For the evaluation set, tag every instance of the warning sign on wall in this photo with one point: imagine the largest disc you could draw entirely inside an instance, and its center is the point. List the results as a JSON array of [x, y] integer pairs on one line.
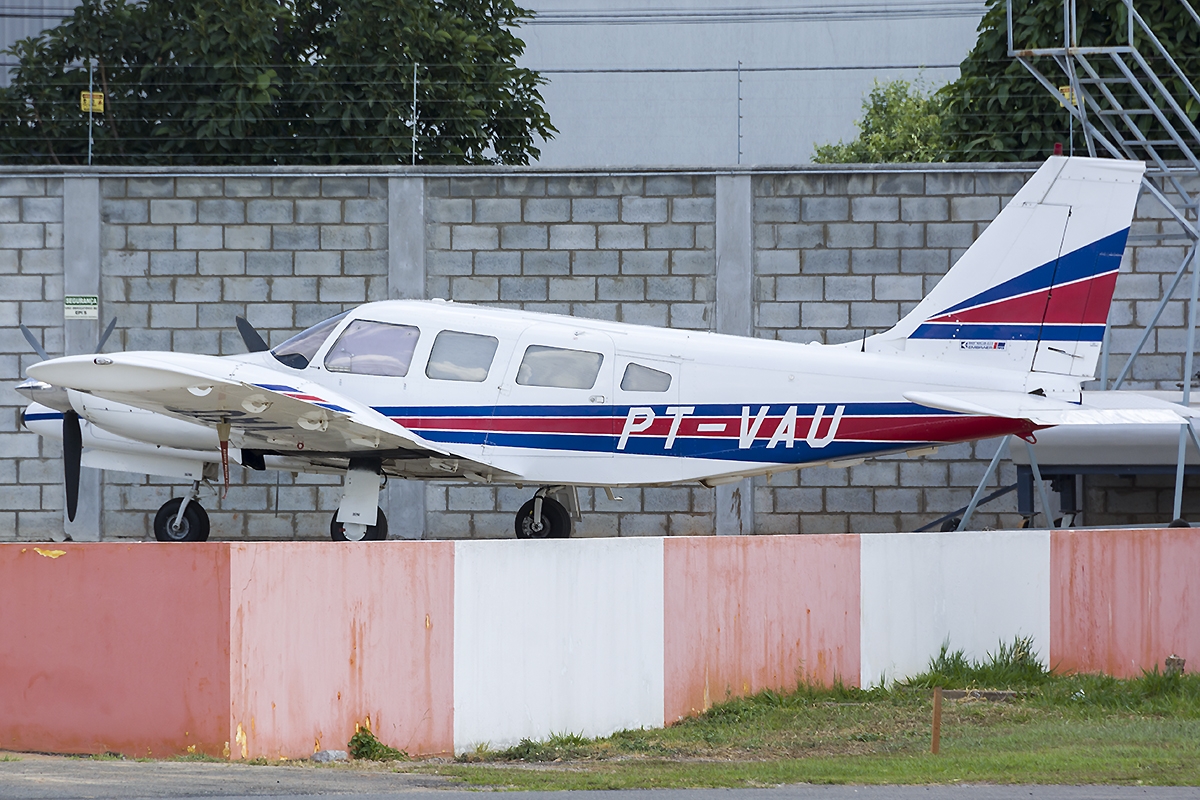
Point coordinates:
[[81, 306]]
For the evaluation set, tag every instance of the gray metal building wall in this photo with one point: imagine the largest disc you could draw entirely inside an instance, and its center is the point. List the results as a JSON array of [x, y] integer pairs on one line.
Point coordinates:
[[803, 254], [20, 19]]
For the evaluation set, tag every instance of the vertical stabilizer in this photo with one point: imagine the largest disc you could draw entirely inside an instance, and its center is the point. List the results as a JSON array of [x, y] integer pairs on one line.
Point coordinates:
[[1033, 291]]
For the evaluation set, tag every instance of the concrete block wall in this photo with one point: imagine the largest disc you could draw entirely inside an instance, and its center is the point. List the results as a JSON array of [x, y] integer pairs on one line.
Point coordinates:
[[823, 254], [183, 256], [31, 291]]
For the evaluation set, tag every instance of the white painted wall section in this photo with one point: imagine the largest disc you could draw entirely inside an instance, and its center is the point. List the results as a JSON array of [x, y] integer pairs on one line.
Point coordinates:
[[556, 637], [974, 588]]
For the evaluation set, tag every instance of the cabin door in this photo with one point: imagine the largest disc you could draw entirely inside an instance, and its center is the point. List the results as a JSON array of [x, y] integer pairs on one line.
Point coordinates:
[[556, 397]]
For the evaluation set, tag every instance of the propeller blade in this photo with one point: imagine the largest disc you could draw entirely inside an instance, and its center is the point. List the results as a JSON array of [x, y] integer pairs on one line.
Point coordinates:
[[254, 342], [72, 455], [107, 333], [34, 343]]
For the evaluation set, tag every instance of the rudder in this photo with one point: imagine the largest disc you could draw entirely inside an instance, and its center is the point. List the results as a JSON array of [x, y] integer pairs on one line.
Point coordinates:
[[1033, 291]]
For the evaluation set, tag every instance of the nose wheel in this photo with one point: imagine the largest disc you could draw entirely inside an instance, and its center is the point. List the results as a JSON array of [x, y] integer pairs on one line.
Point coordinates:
[[182, 519], [543, 518]]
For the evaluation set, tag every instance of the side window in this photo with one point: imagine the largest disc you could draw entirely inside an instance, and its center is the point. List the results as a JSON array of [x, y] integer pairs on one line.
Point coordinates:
[[559, 367], [643, 379], [373, 348], [461, 356]]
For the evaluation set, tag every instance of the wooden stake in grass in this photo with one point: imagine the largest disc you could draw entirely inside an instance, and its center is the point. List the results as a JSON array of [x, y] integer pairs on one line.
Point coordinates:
[[937, 720]]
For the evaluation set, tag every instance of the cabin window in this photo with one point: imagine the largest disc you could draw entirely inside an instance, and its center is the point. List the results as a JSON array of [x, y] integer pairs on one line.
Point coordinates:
[[373, 348], [643, 379], [299, 350], [458, 356], [559, 367]]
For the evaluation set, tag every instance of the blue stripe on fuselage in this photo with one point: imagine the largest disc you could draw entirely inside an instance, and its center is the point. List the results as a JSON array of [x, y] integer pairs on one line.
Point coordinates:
[[724, 446]]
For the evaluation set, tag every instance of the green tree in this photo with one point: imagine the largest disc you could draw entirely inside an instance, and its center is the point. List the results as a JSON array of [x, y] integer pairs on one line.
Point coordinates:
[[997, 111], [900, 122], [264, 82]]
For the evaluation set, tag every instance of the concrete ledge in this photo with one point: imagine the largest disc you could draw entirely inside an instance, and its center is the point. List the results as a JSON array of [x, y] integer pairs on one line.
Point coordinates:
[[280, 649], [241, 650], [1122, 601], [442, 171]]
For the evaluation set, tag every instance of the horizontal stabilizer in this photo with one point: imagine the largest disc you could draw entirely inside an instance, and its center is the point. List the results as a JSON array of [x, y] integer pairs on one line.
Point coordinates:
[[1097, 408]]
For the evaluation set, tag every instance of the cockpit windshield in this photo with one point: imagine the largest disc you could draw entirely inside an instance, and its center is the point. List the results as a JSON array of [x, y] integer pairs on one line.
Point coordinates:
[[299, 350]]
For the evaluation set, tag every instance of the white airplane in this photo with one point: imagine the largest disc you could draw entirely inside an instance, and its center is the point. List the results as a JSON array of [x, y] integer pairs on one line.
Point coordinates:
[[431, 389]]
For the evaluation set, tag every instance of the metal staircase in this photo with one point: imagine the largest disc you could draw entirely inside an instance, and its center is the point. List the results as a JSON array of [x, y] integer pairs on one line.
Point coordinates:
[[1117, 93], [1130, 100]]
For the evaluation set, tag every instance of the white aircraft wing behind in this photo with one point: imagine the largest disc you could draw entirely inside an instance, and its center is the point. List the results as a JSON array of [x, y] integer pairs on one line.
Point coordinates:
[[269, 408], [1097, 408]]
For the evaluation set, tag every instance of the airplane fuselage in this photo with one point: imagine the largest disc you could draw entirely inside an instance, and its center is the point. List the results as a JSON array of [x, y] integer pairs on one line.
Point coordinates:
[[724, 406]]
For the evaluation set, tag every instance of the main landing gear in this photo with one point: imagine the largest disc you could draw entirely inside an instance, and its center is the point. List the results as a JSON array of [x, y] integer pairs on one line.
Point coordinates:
[[543, 517], [182, 519], [350, 532], [359, 517]]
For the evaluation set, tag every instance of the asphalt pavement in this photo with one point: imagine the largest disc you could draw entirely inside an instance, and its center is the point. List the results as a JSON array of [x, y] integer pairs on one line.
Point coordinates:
[[56, 778]]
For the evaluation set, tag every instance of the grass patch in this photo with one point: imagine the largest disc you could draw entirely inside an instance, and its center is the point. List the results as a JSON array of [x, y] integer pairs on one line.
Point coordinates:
[[364, 746], [1059, 729], [197, 757], [101, 757], [7, 757]]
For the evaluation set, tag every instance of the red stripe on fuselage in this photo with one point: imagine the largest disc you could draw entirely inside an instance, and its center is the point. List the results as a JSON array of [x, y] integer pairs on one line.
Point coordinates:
[[914, 428]]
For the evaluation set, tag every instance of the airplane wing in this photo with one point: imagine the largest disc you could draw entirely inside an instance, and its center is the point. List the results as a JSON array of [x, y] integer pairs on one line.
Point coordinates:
[[271, 409], [1097, 408]]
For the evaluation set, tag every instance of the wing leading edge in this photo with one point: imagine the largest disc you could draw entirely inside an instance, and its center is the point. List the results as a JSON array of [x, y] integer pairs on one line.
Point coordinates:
[[270, 409]]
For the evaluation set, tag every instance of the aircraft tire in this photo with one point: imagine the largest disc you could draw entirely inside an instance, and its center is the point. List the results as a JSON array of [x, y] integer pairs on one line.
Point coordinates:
[[192, 528], [375, 533], [556, 521]]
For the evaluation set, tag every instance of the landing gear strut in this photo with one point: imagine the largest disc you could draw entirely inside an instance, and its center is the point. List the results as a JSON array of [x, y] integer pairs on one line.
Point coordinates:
[[543, 517], [182, 519]]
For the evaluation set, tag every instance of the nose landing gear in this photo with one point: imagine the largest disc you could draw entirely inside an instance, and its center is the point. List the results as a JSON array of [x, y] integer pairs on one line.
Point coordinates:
[[182, 519], [543, 517]]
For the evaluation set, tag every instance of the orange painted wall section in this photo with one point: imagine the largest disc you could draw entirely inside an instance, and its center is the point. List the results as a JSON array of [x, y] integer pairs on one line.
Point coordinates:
[[114, 648], [325, 636], [748, 613], [1121, 601]]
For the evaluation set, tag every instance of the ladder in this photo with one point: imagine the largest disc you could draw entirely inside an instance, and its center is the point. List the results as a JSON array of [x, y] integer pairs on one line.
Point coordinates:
[[1130, 101]]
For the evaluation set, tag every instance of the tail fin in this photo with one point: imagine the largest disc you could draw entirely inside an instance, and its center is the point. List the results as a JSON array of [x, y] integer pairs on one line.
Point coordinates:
[[1033, 291]]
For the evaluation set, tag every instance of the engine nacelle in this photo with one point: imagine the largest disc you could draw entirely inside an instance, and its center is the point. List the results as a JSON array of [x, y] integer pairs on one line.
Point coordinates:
[[103, 449], [127, 422]]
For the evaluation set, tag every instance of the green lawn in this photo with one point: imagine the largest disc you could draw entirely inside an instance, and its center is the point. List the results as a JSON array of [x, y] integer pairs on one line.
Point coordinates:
[[1059, 729]]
